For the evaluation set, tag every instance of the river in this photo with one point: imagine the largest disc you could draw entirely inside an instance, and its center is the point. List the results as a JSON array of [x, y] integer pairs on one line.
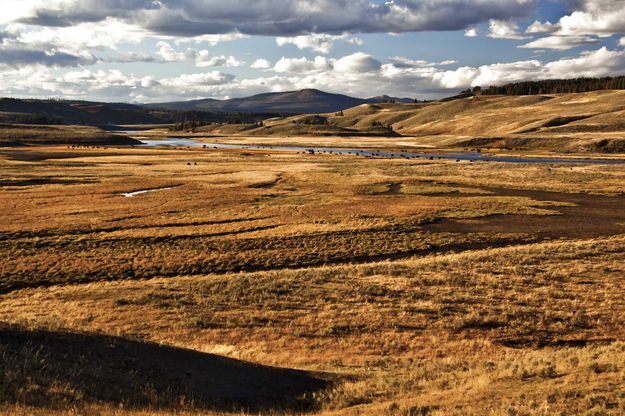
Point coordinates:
[[458, 156]]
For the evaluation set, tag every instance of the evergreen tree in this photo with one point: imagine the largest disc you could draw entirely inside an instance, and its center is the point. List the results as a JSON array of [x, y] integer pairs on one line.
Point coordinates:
[[555, 86]]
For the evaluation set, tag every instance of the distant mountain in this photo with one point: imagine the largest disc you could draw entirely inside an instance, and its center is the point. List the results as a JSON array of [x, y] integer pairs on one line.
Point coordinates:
[[237, 110], [73, 112], [31, 111], [291, 102]]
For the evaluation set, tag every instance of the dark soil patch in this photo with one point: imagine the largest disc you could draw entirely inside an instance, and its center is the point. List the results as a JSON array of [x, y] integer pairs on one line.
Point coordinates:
[[562, 121], [266, 185], [393, 189], [546, 341], [608, 146], [43, 181]]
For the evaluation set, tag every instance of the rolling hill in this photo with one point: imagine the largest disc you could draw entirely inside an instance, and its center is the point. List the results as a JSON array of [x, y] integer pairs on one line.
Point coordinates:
[[12, 135], [32, 111], [74, 112], [590, 121], [250, 109], [292, 102], [143, 374], [585, 121]]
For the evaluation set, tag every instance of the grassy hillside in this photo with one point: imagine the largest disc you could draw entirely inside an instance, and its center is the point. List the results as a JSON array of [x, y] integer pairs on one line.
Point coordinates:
[[31, 111], [504, 115], [585, 122], [77, 112], [80, 368], [18, 135], [567, 122]]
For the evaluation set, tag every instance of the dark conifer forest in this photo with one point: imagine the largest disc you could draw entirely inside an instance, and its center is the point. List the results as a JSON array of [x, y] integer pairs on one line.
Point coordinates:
[[555, 86]]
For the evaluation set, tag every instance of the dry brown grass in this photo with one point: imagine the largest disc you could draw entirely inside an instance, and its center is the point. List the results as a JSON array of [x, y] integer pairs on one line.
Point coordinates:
[[588, 123], [489, 330], [15, 135], [223, 213], [322, 263]]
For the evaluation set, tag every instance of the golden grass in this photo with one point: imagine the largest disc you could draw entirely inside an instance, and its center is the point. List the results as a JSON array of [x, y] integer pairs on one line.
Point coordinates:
[[12, 135], [225, 212], [326, 264], [486, 330], [576, 123]]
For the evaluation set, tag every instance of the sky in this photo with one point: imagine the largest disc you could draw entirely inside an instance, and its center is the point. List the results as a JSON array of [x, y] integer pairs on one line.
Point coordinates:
[[171, 50]]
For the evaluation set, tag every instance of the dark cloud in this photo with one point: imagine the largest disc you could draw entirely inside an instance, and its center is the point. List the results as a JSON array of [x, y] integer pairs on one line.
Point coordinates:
[[286, 17], [80, 11], [17, 57]]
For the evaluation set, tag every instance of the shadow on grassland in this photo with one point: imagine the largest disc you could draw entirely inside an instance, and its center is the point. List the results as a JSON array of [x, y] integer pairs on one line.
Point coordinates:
[[60, 369]]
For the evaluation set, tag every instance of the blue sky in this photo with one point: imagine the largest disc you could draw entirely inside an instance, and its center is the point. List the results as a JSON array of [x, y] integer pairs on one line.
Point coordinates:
[[161, 50]]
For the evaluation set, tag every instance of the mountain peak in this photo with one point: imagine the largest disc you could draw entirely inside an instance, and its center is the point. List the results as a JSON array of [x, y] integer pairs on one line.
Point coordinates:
[[307, 100]]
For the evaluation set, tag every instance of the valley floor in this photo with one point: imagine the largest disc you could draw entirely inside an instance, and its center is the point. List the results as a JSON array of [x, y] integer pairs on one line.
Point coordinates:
[[271, 282]]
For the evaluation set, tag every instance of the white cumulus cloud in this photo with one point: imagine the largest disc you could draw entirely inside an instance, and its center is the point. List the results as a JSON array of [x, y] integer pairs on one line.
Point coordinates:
[[541, 27], [588, 21], [358, 62], [261, 64], [504, 29], [302, 65], [205, 59], [319, 42], [471, 32]]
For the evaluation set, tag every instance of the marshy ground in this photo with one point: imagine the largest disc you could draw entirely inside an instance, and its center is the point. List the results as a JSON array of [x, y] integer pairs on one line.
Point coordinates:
[[334, 284]]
